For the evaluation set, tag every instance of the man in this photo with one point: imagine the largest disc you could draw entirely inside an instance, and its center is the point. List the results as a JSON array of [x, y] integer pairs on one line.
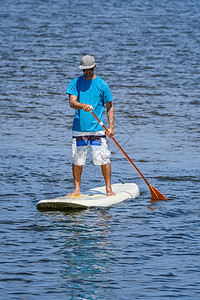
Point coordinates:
[[90, 92]]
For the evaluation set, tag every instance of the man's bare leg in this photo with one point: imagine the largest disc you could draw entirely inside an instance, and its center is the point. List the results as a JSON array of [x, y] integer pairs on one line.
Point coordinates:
[[77, 171], [106, 170]]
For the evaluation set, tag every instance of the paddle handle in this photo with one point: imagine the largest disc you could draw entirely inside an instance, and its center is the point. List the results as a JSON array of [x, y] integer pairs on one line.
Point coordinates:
[[106, 130]]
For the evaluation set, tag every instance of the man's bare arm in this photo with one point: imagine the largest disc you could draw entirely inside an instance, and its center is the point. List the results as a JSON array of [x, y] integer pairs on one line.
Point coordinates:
[[77, 105], [110, 114]]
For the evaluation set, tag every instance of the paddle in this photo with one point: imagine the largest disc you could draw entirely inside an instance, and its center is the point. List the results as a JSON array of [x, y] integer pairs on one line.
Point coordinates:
[[155, 194]]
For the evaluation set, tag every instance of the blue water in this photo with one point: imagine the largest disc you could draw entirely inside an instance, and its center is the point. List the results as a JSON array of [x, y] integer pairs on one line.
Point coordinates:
[[148, 52]]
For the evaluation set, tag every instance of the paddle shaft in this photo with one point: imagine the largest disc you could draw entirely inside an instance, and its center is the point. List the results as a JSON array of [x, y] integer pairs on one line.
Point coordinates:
[[106, 130]]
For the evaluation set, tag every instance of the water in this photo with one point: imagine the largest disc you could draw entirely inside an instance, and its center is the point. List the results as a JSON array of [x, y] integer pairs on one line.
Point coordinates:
[[148, 52]]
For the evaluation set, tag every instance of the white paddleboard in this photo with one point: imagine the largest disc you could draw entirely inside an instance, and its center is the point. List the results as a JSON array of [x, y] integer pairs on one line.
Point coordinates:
[[96, 197]]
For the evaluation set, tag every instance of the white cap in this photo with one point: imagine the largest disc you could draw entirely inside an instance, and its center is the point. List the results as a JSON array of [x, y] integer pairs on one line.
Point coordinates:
[[87, 62]]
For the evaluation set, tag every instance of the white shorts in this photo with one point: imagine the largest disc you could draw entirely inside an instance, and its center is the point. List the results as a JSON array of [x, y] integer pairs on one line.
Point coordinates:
[[98, 145]]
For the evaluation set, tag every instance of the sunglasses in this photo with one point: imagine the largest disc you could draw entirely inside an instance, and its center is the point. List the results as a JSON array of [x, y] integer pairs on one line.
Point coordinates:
[[91, 69]]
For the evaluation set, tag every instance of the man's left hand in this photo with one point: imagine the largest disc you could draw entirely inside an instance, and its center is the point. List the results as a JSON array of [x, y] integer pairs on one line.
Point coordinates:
[[110, 132]]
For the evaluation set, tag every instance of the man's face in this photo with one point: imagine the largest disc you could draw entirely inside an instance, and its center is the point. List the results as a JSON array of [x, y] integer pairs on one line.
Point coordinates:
[[89, 73]]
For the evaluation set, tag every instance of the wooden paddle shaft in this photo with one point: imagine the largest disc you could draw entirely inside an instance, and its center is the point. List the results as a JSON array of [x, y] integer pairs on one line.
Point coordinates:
[[106, 130]]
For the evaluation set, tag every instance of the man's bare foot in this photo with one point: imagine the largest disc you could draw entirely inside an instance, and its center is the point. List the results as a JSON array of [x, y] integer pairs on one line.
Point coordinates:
[[110, 192], [75, 193]]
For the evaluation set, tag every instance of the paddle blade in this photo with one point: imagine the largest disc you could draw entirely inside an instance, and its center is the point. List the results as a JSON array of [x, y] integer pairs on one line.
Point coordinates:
[[155, 194]]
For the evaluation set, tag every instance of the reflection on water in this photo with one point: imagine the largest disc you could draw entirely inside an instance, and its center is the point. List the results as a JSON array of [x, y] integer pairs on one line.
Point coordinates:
[[86, 248]]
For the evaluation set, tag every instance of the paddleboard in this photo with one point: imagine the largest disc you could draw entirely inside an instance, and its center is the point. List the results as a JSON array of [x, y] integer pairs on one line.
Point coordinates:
[[95, 197]]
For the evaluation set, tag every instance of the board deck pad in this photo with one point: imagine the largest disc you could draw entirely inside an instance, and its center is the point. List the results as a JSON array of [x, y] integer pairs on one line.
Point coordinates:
[[95, 197]]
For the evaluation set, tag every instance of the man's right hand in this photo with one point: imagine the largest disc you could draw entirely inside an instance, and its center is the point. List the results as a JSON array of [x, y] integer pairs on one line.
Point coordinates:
[[88, 107]]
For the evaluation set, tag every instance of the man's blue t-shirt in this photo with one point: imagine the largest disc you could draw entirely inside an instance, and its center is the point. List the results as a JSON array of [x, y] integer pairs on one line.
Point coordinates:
[[95, 92]]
